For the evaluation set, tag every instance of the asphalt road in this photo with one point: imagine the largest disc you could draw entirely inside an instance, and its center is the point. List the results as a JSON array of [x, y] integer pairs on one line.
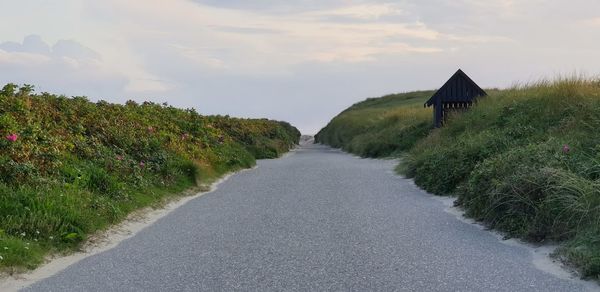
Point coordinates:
[[315, 220]]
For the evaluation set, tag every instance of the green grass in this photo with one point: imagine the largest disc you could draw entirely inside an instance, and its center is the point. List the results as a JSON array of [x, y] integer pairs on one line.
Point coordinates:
[[379, 127], [524, 160], [77, 167]]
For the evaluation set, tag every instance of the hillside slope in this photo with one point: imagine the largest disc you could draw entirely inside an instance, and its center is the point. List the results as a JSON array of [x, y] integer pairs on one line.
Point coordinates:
[[524, 160], [379, 126], [69, 167]]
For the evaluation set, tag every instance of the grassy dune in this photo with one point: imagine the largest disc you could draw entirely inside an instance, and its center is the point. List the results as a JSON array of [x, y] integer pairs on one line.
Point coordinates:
[[525, 160], [70, 167], [380, 127]]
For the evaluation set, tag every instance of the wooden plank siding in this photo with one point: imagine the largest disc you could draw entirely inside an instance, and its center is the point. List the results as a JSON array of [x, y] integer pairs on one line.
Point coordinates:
[[459, 93]]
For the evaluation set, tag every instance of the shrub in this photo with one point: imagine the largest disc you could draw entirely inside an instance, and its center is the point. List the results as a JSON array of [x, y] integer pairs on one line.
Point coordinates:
[[71, 167], [525, 160]]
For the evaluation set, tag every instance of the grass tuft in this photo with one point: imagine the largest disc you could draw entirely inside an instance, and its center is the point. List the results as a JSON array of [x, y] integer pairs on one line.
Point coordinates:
[[525, 160]]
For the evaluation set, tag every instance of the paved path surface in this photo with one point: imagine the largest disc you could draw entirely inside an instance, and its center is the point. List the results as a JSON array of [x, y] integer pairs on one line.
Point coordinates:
[[315, 220]]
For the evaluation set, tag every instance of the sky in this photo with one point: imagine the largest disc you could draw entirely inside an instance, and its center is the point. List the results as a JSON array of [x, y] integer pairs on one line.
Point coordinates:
[[300, 61]]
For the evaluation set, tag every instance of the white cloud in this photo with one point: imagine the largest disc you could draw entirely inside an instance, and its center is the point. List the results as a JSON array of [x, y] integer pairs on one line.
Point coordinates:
[[365, 54], [279, 58], [260, 43], [593, 22], [67, 67], [200, 56], [74, 50], [143, 84], [363, 11], [34, 52], [23, 59]]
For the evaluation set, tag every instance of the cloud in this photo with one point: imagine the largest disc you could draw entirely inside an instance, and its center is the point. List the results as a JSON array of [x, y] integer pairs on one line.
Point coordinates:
[[245, 30], [274, 6], [200, 56], [31, 44], [22, 59], [67, 67], [593, 22], [362, 11], [259, 43], [35, 51], [302, 60], [370, 53], [74, 50]]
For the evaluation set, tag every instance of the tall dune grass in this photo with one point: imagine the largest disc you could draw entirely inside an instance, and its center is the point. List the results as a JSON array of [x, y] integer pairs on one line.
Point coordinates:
[[380, 127], [524, 160]]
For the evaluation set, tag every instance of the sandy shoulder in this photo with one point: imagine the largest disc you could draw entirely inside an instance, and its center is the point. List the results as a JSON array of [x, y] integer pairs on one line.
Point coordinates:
[[101, 241]]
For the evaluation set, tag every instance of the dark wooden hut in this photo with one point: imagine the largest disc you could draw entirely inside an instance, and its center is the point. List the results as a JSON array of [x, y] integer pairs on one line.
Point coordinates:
[[458, 94]]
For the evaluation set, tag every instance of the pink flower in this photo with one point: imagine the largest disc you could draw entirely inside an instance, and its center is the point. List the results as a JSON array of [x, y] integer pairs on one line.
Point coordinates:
[[119, 157], [142, 164], [12, 137], [184, 136], [150, 129], [566, 149]]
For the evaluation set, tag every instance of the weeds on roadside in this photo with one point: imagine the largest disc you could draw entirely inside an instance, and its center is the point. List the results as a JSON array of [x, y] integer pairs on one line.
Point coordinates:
[[524, 160], [69, 167]]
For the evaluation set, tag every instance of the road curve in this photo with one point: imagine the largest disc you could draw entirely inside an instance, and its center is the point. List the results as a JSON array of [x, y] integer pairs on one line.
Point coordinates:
[[318, 219]]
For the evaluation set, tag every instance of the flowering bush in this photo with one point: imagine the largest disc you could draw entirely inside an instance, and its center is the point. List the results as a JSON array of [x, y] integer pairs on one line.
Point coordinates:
[[69, 166], [12, 137]]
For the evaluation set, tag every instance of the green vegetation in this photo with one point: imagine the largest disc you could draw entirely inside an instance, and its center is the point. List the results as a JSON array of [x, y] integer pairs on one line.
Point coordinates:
[[525, 160], [70, 167], [380, 127]]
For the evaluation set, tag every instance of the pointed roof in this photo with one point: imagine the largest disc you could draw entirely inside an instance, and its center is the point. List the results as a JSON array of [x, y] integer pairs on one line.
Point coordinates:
[[458, 88]]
